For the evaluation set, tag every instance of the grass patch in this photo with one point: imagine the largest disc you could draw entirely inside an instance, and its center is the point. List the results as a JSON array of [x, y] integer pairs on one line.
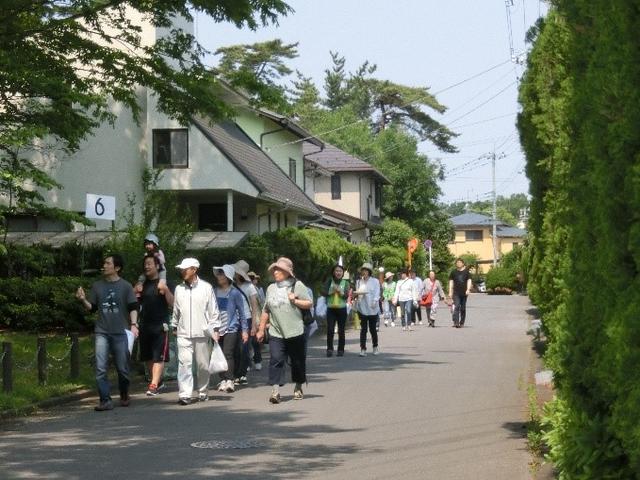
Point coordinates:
[[535, 432], [26, 390]]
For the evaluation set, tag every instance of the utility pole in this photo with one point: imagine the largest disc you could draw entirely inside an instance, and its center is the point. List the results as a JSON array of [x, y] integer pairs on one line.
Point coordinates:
[[494, 207]]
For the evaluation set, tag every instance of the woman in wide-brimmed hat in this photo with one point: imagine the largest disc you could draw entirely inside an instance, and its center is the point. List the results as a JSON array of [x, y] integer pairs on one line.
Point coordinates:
[[282, 309], [368, 294]]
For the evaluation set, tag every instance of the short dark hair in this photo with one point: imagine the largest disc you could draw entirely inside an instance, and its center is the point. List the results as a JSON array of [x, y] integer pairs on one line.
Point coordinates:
[[460, 259], [156, 260], [118, 261], [404, 270]]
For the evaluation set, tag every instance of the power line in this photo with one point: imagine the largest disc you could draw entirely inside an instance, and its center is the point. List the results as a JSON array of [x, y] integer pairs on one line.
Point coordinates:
[[483, 103], [486, 120], [319, 135]]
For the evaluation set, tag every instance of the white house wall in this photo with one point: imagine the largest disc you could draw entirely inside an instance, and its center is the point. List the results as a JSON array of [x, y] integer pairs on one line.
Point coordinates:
[[110, 163], [209, 168], [349, 203]]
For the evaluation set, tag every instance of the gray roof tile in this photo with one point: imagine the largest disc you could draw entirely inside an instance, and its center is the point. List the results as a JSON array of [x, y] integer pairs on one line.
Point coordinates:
[[336, 160]]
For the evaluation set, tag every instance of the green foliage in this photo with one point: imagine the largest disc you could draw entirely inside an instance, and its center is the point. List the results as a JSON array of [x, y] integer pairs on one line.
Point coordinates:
[[508, 209], [258, 69], [77, 57], [43, 304], [161, 214], [44, 260], [578, 126], [501, 280]]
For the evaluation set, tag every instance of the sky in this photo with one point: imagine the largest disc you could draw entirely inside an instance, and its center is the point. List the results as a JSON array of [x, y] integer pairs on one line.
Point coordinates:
[[428, 43]]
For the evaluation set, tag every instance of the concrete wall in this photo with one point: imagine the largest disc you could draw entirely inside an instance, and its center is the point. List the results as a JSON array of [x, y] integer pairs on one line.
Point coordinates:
[[276, 145], [350, 201], [109, 163]]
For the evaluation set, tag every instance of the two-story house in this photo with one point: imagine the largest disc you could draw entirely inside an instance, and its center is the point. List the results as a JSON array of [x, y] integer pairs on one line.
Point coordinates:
[[347, 189], [474, 234]]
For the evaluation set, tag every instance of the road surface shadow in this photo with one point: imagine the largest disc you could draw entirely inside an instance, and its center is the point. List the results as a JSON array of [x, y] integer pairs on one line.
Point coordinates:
[[157, 441]]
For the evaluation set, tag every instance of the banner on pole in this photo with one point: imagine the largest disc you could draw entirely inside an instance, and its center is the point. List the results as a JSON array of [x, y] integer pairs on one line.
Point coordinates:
[[102, 207]]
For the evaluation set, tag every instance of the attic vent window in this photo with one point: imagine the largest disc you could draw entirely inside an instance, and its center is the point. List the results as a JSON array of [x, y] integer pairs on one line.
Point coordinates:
[[171, 148]]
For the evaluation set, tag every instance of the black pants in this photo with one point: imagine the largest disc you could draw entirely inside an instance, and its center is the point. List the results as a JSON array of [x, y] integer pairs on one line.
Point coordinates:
[[459, 309], [417, 312], [230, 347], [368, 321], [339, 316], [280, 349], [243, 358]]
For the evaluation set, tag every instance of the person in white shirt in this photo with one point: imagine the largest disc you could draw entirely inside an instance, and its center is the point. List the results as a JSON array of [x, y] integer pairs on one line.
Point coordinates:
[[368, 307], [417, 311], [407, 297], [195, 319]]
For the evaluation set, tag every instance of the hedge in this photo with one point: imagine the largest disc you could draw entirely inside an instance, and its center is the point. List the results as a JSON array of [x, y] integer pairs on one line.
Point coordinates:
[[579, 129], [43, 304]]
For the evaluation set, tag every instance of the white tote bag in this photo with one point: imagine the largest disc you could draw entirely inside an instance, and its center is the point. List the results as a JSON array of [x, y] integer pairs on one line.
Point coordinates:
[[217, 363], [321, 307]]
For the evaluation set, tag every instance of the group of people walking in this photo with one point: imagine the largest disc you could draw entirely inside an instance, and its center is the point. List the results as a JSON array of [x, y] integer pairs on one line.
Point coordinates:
[[239, 316]]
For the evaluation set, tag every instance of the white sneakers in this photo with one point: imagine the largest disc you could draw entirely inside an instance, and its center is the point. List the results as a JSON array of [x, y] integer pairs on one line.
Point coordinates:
[[226, 386], [386, 323], [258, 366], [376, 351], [363, 353], [393, 324], [420, 322]]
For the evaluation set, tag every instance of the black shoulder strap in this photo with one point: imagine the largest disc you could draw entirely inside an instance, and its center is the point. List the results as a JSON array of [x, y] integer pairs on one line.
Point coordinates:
[[243, 294]]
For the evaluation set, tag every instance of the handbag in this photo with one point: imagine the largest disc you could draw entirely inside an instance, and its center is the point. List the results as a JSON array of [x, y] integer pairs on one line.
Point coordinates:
[[307, 317], [427, 298], [217, 362], [321, 307]]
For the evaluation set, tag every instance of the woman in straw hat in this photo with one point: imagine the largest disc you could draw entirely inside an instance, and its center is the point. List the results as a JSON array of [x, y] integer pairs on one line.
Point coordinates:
[[284, 301]]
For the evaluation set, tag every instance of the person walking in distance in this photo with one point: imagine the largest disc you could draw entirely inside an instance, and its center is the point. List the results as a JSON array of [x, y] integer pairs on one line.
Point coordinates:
[[367, 306], [434, 293], [388, 308], [406, 296], [115, 301], [416, 316], [459, 289], [155, 300], [336, 290], [195, 318], [282, 310]]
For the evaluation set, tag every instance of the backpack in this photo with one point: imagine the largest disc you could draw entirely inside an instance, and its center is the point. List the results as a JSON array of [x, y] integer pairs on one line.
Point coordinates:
[[307, 318]]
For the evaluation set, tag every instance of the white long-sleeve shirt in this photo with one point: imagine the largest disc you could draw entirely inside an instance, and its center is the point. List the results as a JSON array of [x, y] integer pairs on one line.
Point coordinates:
[[406, 290], [368, 303], [195, 310]]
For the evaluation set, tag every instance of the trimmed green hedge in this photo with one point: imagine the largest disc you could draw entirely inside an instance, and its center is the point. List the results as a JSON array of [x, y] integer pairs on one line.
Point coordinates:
[[501, 281], [43, 304], [579, 128]]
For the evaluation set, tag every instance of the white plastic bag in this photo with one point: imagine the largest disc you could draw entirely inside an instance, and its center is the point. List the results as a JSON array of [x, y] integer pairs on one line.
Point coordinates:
[[217, 363], [321, 307], [130, 339]]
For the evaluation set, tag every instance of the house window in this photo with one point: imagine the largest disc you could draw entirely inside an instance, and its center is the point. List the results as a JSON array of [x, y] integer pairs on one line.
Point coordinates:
[[377, 193], [292, 169], [473, 235], [171, 148], [515, 244], [212, 217], [336, 189]]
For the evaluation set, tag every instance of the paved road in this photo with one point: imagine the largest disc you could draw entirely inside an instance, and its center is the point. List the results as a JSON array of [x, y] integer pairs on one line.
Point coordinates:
[[439, 403]]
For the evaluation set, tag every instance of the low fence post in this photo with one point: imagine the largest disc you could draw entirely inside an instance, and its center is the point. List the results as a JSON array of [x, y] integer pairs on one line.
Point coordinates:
[[42, 360], [7, 364], [74, 371]]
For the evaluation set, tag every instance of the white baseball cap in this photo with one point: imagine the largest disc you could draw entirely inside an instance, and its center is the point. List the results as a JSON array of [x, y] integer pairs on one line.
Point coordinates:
[[188, 263]]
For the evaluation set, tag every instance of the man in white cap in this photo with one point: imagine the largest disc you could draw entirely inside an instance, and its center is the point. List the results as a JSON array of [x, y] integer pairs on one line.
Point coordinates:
[[195, 319]]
